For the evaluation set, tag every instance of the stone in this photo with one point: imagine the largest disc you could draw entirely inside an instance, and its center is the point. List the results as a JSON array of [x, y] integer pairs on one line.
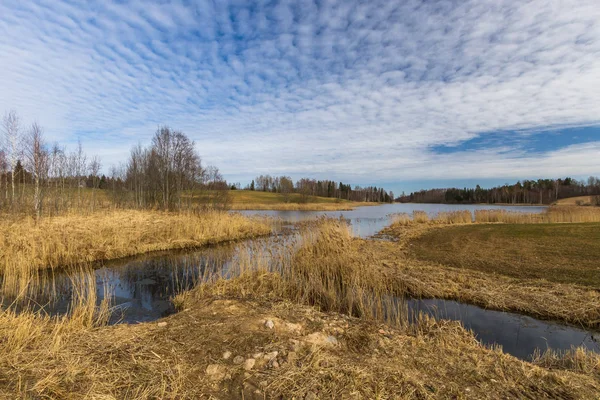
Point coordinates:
[[275, 364], [270, 356], [227, 355], [162, 324], [238, 360], [249, 364], [216, 372], [269, 324], [258, 355]]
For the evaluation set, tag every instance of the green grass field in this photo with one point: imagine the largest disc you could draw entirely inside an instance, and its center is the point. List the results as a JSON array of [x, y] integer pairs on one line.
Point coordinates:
[[562, 253]]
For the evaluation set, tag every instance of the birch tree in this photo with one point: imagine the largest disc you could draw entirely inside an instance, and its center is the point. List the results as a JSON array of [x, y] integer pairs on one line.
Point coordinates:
[[36, 160], [11, 128]]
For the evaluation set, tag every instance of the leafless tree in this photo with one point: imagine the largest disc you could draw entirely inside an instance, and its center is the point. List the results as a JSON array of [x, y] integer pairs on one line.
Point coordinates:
[[80, 168], [4, 174], [11, 127], [94, 167], [36, 161]]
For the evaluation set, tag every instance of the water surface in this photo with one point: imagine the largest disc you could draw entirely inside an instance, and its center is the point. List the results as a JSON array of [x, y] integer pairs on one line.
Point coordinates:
[[369, 220]]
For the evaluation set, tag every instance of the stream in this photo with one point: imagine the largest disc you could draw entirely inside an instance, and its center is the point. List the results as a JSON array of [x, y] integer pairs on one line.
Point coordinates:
[[141, 287]]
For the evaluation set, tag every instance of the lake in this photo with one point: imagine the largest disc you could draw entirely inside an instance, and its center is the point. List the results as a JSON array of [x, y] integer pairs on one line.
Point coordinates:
[[367, 221]]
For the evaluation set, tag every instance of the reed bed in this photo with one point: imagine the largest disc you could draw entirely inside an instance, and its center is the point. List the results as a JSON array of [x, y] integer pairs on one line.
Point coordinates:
[[28, 246], [578, 360], [554, 214], [322, 266]]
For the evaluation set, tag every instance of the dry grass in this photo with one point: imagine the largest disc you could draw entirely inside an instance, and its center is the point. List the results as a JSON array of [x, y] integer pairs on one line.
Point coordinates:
[[345, 206], [318, 353], [27, 246], [549, 271], [576, 201], [554, 214]]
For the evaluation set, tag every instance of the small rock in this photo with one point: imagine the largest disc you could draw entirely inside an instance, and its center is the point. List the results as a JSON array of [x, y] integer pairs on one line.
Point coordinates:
[[275, 364], [215, 372], [258, 355], [162, 324], [271, 355], [227, 355], [269, 324], [249, 364], [238, 360]]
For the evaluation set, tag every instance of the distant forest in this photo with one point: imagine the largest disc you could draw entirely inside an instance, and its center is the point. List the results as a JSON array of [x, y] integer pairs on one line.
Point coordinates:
[[324, 188], [541, 191]]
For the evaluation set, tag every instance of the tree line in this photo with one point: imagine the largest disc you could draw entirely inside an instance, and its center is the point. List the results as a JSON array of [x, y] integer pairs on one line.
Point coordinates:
[[42, 179], [541, 191], [324, 188]]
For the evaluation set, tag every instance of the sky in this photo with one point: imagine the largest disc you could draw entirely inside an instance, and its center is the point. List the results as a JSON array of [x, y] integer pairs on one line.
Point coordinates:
[[406, 94]]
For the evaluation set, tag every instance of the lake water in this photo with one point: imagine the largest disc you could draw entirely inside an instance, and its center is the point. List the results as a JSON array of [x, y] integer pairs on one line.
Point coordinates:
[[367, 221]]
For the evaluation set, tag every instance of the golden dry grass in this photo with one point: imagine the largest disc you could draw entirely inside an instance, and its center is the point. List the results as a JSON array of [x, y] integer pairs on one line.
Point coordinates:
[[27, 246], [345, 206], [576, 201], [184, 359], [549, 271], [374, 356]]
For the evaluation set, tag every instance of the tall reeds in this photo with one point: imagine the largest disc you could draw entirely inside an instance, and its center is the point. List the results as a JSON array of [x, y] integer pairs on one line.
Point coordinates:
[[27, 246], [320, 266], [555, 214]]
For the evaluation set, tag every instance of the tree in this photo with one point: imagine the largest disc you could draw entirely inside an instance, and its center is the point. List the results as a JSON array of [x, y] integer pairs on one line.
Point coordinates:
[[36, 159], [252, 185], [94, 171], [11, 128]]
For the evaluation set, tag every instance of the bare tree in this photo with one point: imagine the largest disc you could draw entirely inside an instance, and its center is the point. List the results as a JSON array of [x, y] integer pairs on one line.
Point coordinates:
[[94, 171], [80, 168], [11, 127], [36, 159], [4, 174]]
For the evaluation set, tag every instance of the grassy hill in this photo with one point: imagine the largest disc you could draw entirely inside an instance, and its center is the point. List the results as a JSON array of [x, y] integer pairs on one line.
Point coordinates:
[[253, 200], [576, 201]]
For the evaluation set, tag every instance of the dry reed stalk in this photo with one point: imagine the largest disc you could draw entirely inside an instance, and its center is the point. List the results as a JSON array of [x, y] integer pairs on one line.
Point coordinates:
[[27, 246]]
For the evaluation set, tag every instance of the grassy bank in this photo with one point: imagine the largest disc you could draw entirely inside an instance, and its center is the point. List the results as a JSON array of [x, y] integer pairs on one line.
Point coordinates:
[[220, 345], [547, 270], [562, 253], [27, 246], [255, 200]]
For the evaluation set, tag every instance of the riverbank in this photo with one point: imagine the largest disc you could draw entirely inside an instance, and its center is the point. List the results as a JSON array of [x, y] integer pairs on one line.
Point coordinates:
[[258, 200], [328, 323], [27, 245], [222, 347], [546, 270]]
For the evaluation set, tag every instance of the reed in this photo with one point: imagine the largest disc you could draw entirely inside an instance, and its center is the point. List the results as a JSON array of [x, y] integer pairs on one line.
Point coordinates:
[[27, 245], [322, 266], [578, 360]]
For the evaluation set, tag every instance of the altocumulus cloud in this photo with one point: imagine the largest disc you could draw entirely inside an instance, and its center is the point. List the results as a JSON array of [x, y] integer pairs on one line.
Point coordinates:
[[358, 90]]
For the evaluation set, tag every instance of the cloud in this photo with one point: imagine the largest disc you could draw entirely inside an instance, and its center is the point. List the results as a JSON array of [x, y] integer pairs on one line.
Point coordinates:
[[360, 91]]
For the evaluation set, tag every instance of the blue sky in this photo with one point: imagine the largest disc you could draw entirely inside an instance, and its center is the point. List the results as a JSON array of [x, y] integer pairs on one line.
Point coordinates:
[[406, 94]]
